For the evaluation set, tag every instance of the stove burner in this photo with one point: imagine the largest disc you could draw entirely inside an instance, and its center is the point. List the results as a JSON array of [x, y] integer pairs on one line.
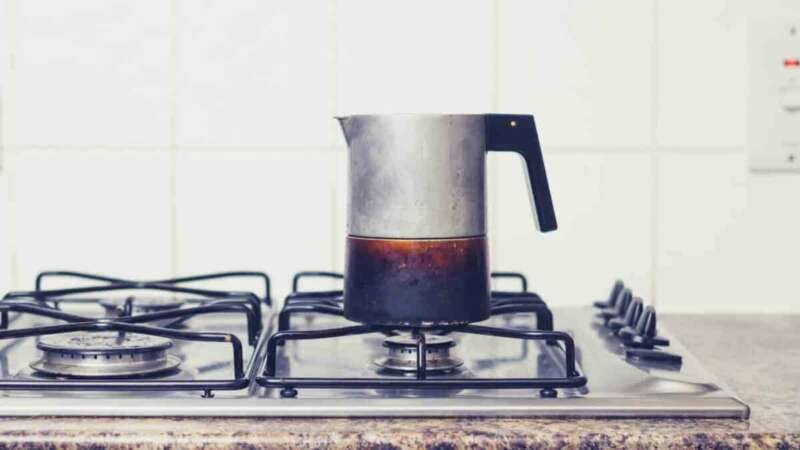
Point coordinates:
[[141, 305], [120, 307], [104, 355], [402, 357]]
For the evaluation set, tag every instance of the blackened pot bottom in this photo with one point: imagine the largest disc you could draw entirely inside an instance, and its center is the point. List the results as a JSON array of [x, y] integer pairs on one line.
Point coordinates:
[[416, 282]]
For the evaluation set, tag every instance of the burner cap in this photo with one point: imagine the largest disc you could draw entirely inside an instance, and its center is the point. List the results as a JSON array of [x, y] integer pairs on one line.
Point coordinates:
[[402, 355], [104, 355]]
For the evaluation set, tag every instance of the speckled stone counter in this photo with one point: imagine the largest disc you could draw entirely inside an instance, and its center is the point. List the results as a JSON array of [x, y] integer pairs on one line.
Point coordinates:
[[759, 358]]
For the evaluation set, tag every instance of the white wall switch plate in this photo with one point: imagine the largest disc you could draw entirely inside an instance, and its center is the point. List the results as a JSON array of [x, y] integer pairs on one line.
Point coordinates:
[[774, 95]]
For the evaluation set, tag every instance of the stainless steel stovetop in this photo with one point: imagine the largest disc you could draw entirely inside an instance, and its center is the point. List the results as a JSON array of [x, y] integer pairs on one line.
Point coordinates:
[[616, 387]]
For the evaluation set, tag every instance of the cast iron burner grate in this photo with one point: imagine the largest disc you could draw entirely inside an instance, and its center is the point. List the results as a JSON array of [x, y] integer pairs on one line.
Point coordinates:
[[502, 302], [47, 303]]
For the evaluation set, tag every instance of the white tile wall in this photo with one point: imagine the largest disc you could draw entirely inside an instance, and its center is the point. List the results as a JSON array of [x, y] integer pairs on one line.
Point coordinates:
[[93, 73], [728, 241], [269, 211], [254, 74], [340, 210], [583, 68], [5, 33], [6, 247], [604, 225], [225, 155], [5, 228], [415, 56], [92, 210], [702, 73]]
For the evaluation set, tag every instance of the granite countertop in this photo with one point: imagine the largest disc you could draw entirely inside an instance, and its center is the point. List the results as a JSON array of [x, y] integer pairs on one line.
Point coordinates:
[[759, 357]]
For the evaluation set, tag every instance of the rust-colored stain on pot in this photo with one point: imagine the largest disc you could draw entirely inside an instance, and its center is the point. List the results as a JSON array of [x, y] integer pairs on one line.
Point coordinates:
[[417, 282]]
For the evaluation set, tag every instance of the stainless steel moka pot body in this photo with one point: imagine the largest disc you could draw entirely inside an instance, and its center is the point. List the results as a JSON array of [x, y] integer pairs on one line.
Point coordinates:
[[417, 254]]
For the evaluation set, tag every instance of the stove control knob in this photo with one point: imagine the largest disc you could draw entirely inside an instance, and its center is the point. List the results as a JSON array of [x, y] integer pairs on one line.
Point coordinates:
[[612, 297], [630, 318], [620, 306], [653, 356], [646, 331], [641, 342]]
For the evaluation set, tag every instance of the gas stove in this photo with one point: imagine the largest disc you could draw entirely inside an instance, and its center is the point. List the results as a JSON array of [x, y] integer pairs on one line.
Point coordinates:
[[167, 347]]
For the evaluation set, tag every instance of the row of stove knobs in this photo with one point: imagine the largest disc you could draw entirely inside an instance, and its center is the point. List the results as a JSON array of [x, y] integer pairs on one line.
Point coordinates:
[[627, 317]]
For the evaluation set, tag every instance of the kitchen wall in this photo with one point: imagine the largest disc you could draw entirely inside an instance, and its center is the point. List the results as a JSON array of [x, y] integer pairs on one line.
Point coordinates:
[[148, 138]]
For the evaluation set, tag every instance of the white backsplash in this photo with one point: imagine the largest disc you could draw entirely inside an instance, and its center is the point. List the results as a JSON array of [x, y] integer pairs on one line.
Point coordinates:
[[584, 68], [83, 209], [269, 210], [415, 56], [702, 74], [254, 74], [90, 74], [605, 226], [152, 138]]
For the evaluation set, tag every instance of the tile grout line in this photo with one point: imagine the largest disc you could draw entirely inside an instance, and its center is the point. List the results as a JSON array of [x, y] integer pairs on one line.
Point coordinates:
[[5, 68], [9, 153], [493, 171], [337, 260], [173, 148], [654, 163], [552, 149]]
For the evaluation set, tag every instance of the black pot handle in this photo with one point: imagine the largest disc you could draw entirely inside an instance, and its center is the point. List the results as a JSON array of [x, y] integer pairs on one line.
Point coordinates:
[[517, 133]]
